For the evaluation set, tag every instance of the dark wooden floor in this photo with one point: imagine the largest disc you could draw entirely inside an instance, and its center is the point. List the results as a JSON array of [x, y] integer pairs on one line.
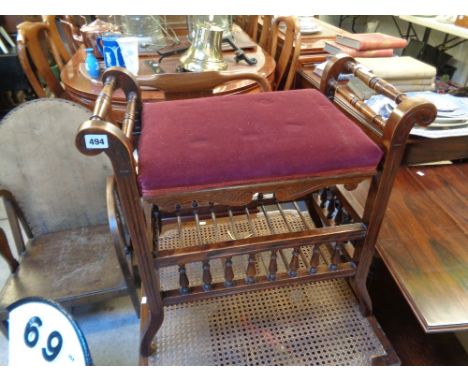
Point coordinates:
[[411, 343]]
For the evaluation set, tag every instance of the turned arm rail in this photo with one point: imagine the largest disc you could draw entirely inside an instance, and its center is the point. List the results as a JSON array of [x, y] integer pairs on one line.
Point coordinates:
[[391, 132]]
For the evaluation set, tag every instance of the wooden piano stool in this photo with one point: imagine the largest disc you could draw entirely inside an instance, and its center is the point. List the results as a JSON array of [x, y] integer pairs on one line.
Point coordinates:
[[240, 192]]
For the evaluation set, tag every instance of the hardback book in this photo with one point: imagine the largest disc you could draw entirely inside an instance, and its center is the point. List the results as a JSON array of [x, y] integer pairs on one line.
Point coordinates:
[[371, 41], [335, 48], [397, 68]]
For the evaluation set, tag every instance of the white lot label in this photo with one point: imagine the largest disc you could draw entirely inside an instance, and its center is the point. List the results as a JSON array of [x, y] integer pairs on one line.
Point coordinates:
[[96, 141]]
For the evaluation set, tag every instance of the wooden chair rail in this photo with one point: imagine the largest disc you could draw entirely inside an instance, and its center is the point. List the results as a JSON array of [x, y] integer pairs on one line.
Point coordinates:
[[16, 218], [5, 252], [165, 258]]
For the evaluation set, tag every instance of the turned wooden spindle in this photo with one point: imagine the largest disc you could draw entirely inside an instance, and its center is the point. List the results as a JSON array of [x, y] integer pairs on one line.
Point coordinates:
[[315, 259], [183, 280], [128, 122], [207, 278], [336, 257], [251, 271], [378, 84], [370, 115], [228, 273], [103, 101], [273, 265], [294, 263]]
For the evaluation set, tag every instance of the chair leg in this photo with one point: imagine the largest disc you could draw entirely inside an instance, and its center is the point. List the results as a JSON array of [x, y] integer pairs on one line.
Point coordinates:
[[150, 324]]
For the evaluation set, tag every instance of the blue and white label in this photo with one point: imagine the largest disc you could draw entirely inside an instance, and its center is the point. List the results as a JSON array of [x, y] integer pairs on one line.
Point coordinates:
[[96, 141]]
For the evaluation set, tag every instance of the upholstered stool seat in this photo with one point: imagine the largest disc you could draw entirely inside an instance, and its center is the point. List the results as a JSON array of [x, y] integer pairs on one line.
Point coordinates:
[[225, 141]]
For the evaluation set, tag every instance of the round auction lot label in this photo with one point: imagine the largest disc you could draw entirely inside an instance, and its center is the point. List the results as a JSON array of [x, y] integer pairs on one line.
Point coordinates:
[[41, 332]]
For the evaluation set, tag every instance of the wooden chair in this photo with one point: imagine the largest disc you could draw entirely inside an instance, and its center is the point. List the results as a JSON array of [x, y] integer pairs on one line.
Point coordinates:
[[249, 24], [59, 202], [41, 59], [264, 39], [285, 47], [204, 164], [54, 23]]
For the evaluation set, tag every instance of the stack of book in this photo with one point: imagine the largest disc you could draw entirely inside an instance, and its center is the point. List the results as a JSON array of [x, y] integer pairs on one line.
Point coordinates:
[[406, 73], [365, 44]]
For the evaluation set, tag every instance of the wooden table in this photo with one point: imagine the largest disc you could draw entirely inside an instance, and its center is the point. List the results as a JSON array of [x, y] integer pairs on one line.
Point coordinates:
[[313, 45], [424, 242], [81, 88], [418, 149]]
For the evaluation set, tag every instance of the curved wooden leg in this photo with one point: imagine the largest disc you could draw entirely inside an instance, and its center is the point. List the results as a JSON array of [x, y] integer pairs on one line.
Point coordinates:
[[150, 324], [365, 253], [365, 302]]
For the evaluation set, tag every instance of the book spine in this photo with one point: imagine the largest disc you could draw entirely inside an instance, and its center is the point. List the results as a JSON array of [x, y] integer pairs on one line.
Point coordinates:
[[371, 53], [391, 43]]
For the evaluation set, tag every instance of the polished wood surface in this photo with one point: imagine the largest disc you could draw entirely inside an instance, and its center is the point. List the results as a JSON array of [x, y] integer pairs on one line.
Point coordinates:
[[333, 228], [84, 90], [418, 149], [424, 240]]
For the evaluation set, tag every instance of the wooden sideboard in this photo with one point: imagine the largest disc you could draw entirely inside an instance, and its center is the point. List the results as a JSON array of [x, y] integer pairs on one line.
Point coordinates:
[[424, 240]]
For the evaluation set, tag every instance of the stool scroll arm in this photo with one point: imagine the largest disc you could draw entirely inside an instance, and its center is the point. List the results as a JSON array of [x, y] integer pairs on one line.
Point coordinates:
[[391, 135], [119, 149]]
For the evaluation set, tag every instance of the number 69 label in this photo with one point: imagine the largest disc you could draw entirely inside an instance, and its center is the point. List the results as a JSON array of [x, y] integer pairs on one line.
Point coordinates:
[[96, 141], [42, 333]]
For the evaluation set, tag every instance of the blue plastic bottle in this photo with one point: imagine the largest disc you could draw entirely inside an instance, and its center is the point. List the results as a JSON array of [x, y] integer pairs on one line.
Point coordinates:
[[92, 64]]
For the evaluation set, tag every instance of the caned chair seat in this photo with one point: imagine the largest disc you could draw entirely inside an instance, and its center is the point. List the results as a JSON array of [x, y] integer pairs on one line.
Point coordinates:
[[226, 141]]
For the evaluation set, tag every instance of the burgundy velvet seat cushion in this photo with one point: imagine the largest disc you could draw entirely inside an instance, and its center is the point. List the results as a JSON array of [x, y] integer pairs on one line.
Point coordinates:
[[232, 140]]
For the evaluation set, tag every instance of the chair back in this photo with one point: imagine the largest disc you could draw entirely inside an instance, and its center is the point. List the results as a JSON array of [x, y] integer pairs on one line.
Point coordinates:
[[38, 56], [56, 34], [55, 185], [290, 48], [264, 39], [193, 85], [249, 23]]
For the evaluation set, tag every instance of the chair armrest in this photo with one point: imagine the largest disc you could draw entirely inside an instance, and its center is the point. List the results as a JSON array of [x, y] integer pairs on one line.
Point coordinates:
[[15, 218], [5, 252]]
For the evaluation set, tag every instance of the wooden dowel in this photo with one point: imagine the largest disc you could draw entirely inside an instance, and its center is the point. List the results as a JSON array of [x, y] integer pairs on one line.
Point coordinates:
[[273, 267], [128, 122], [367, 113], [103, 101], [297, 251]]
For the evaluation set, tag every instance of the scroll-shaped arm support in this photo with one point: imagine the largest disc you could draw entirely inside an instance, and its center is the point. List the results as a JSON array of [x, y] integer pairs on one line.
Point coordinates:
[[391, 134], [96, 136]]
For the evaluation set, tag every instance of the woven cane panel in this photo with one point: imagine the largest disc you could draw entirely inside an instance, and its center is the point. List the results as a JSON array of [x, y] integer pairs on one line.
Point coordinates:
[[309, 324]]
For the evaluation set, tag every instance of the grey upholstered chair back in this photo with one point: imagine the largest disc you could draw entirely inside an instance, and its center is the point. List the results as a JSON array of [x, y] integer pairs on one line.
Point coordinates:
[[57, 187]]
